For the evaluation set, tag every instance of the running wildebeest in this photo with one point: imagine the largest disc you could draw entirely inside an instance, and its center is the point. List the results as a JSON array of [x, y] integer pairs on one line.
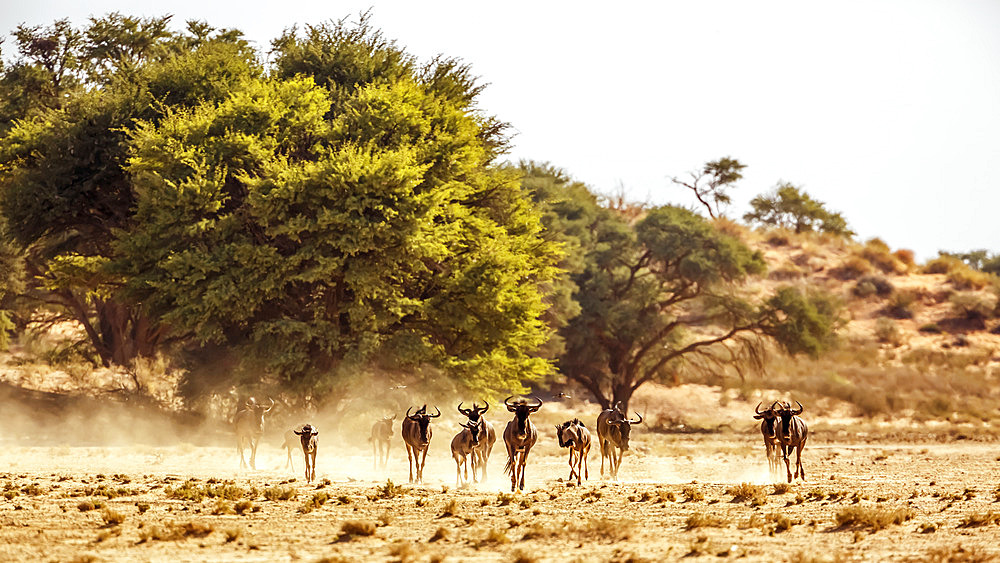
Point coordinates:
[[416, 432], [381, 434], [574, 435], [463, 447], [249, 424], [485, 446], [519, 436], [613, 431], [768, 430], [792, 433], [310, 443]]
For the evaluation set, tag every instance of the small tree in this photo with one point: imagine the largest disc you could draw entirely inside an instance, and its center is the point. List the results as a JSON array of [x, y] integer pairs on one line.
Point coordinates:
[[790, 208], [710, 185]]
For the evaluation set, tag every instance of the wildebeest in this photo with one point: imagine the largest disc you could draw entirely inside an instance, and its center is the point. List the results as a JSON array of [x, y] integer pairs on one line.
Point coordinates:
[[463, 447], [519, 436], [310, 443], [792, 433], [613, 431], [768, 430], [485, 447], [574, 435], [416, 431], [290, 443], [381, 434], [249, 424]]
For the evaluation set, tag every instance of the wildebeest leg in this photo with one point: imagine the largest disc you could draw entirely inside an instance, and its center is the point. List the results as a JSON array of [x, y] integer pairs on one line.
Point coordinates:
[[572, 468], [586, 469], [239, 448], [314, 465], [458, 471], [785, 450], [604, 453], [524, 463], [798, 460], [423, 463], [409, 457], [253, 453]]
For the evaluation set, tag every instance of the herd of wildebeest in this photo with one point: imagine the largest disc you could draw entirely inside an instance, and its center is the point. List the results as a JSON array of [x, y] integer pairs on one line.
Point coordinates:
[[782, 429]]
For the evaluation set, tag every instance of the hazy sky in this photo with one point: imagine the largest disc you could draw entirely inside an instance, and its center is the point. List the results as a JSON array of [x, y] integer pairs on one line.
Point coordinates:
[[888, 111]]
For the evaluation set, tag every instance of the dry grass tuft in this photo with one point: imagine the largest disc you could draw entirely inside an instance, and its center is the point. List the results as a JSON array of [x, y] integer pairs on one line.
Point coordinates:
[[352, 528], [692, 494], [175, 531], [278, 492], [976, 519], [748, 492], [872, 518], [704, 520]]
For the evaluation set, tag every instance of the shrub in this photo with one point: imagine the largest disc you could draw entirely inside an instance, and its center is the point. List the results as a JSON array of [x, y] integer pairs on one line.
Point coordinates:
[[279, 493], [112, 517], [877, 253], [905, 256], [973, 305], [900, 305], [357, 528], [692, 494], [930, 328], [976, 519], [851, 268], [887, 332], [748, 492], [867, 286]]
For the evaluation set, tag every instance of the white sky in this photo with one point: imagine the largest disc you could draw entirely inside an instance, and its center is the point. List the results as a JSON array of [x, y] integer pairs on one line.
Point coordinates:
[[888, 111]]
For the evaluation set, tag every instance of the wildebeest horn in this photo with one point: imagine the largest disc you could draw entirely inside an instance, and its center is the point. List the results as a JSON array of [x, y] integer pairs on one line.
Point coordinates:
[[776, 403], [756, 409], [408, 413], [435, 415], [272, 404], [466, 412], [507, 400], [485, 408], [800, 408], [539, 402], [636, 421]]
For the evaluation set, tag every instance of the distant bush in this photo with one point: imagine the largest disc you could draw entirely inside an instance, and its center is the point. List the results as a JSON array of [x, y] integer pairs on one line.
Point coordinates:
[[877, 253], [930, 328], [887, 332], [778, 238], [900, 305], [960, 274], [867, 286], [973, 305], [851, 268], [905, 257]]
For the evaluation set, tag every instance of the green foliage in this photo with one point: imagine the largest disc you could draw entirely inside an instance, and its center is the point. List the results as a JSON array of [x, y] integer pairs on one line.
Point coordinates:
[[710, 185], [790, 208], [801, 322]]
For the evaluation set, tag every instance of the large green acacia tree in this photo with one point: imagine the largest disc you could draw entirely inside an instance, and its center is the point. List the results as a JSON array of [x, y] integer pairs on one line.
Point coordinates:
[[663, 294], [64, 190], [317, 226]]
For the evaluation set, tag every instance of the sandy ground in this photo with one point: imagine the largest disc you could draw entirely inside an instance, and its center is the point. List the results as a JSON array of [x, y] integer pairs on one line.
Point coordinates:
[[670, 485]]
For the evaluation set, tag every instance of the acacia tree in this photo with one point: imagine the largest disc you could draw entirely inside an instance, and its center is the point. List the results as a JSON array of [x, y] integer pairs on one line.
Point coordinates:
[[313, 226], [791, 208], [712, 182], [63, 188], [662, 294]]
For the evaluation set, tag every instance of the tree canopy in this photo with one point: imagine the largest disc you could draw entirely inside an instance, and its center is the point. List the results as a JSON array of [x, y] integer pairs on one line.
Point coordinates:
[[789, 207]]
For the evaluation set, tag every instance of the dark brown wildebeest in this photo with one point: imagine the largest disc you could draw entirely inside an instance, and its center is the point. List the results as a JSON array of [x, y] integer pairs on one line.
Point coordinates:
[[485, 445], [463, 447], [768, 430], [380, 437], [249, 424], [310, 443], [416, 431], [791, 433], [613, 431], [574, 435], [519, 436]]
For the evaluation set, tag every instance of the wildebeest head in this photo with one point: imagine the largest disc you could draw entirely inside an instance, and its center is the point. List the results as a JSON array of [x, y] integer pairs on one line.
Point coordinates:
[[423, 421], [521, 409], [785, 412], [256, 411], [623, 425], [306, 434], [768, 417], [475, 430], [385, 425], [567, 437], [476, 412]]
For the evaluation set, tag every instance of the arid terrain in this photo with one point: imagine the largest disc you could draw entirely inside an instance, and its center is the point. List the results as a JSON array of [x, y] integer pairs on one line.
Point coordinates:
[[700, 496]]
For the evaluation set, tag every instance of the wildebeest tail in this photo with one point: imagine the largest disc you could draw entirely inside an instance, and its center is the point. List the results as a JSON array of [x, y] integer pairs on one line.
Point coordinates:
[[508, 468]]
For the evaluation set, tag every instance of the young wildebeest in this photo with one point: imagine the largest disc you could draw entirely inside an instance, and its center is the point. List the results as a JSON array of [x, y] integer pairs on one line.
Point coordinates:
[[792, 433], [574, 435], [463, 446], [768, 429], [249, 424], [613, 431], [519, 435], [416, 431], [309, 441], [291, 442], [485, 447], [381, 433]]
